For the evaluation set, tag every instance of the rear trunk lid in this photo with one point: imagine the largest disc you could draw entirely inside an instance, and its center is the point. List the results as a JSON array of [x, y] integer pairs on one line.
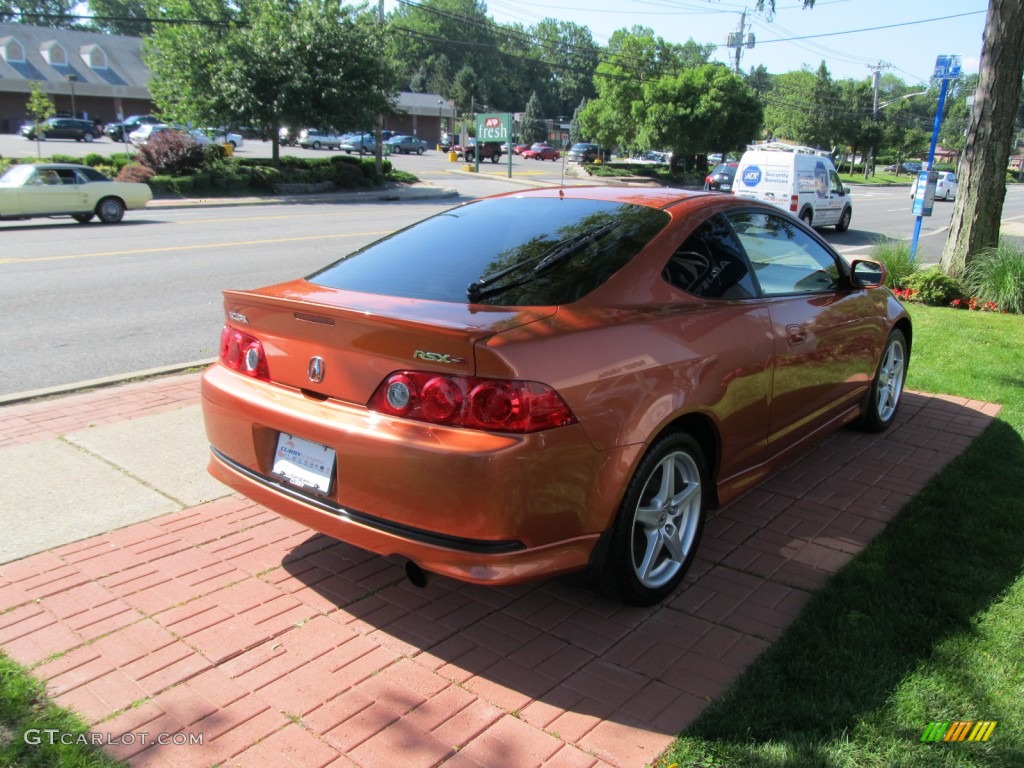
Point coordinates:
[[360, 338]]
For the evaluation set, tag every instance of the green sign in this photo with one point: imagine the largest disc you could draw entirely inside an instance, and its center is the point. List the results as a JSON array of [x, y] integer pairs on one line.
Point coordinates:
[[496, 127]]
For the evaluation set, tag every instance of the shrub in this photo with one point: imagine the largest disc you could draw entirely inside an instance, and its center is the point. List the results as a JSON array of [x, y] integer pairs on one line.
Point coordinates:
[[899, 265], [94, 159], [135, 172], [996, 275], [172, 153], [934, 288]]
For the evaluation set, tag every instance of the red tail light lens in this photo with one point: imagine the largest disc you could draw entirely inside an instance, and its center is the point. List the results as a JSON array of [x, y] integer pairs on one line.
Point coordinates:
[[794, 203], [243, 353], [493, 405]]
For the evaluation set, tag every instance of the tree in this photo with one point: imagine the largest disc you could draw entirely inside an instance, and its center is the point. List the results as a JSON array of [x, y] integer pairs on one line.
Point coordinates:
[[40, 108], [979, 205], [269, 63], [575, 131], [700, 109], [531, 128], [635, 59], [570, 56], [121, 17], [39, 13]]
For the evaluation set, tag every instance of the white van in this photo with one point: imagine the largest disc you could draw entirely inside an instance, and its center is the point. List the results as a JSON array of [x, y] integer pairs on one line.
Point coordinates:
[[797, 179]]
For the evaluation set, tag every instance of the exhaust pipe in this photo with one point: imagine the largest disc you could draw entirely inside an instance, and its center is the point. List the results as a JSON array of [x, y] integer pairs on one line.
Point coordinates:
[[416, 575]]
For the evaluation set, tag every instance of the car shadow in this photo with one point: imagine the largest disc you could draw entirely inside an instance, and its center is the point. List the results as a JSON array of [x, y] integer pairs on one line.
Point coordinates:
[[564, 658]]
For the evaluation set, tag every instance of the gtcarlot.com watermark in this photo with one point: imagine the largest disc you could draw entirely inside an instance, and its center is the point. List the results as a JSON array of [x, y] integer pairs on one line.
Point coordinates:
[[36, 736]]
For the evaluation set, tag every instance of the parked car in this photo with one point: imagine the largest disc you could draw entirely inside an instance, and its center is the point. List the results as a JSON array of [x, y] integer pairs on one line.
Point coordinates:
[[67, 189], [62, 128], [564, 379], [142, 134], [363, 143], [487, 149], [312, 138], [446, 142], [406, 144], [122, 130], [908, 167], [586, 152], [221, 136], [540, 152], [517, 149], [946, 186], [721, 179]]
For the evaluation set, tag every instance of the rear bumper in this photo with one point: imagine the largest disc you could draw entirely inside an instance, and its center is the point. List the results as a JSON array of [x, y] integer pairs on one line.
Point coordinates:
[[479, 507]]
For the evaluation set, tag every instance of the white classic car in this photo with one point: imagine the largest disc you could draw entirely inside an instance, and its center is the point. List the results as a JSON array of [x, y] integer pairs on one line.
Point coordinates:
[[65, 189]]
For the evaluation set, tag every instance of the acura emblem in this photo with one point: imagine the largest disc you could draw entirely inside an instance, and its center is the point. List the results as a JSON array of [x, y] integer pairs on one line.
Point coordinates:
[[316, 369]]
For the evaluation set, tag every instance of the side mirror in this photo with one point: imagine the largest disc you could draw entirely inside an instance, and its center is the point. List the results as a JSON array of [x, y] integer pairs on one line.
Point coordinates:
[[846, 189], [867, 274]]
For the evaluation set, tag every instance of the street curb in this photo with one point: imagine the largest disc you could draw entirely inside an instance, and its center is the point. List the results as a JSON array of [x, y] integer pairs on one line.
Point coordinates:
[[104, 381], [376, 195]]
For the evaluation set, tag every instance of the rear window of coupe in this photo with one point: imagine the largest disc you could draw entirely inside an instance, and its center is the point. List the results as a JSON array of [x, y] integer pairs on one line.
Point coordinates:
[[511, 251]]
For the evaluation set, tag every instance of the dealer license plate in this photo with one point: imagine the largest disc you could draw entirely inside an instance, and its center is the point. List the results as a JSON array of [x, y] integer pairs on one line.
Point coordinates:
[[725, 187], [304, 463]]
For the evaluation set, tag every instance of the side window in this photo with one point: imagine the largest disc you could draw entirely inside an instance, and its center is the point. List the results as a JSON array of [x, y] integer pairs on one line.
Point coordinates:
[[837, 183], [786, 259], [710, 263]]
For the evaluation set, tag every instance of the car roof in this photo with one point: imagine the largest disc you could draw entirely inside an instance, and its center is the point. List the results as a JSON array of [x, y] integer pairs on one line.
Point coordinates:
[[56, 166], [654, 197]]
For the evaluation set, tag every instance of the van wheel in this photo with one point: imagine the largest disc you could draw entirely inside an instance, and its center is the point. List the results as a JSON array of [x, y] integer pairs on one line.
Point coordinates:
[[807, 217], [844, 221]]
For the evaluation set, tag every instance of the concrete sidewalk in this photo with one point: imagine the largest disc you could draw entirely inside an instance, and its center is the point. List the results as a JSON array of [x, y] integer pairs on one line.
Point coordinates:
[[152, 601]]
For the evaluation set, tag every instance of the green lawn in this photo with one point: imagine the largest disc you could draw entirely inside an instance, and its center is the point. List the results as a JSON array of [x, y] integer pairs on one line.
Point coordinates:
[[926, 624]]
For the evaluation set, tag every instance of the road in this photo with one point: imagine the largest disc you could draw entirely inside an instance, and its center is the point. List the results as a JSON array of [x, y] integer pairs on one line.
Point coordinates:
[[83, 302]]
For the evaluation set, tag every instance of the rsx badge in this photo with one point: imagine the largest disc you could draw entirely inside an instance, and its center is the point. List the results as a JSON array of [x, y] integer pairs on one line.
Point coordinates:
[[438, 357]]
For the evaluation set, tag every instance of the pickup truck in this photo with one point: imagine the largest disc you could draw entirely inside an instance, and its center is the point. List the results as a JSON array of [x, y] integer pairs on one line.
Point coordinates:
[[489, 149]]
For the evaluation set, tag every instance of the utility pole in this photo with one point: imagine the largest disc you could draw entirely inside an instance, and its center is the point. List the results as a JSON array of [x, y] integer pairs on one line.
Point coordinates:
[[876, 77], [735, 40], [379, 151]]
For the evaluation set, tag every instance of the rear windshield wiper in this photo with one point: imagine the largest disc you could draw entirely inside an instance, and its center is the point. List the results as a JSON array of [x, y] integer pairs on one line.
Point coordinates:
[[559, 252]]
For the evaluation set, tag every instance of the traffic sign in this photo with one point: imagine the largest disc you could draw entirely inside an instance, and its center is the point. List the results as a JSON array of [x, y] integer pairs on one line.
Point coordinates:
[[947, 67]]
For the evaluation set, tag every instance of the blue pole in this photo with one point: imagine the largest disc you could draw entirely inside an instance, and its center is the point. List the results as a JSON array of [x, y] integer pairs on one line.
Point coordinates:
[[931, 159]]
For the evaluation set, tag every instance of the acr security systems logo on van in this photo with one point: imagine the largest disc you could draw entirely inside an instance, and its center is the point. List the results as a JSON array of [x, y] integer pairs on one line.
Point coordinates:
[[751, 176]]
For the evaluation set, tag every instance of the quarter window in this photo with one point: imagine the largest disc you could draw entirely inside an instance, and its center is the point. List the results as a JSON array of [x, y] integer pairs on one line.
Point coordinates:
[[786, 260], [710, 263]]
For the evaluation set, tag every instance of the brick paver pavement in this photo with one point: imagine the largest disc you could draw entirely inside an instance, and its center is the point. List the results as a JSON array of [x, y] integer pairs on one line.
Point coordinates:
[[279, 647]]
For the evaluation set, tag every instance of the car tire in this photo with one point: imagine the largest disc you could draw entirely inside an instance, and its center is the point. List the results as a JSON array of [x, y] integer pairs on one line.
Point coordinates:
[[659, 523], [886, 391], [419, 150], [83, 218], [87, 138], [844, 220], [110, 210], [807, 217], [496, 157], [316, 145]]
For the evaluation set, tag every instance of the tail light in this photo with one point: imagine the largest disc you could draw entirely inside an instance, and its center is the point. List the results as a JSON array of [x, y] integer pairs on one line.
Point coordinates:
[[243, 353], [794, 203], [493, 405]]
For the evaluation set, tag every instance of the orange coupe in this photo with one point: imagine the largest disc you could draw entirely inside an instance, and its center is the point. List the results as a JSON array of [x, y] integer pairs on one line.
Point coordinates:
[[550, 381]]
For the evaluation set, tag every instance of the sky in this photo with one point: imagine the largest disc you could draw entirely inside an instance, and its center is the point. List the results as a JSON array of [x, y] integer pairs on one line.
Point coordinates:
[[850, 36]]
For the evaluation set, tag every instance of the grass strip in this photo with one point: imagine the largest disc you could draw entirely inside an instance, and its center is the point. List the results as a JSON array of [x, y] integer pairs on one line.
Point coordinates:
[[925, 625]]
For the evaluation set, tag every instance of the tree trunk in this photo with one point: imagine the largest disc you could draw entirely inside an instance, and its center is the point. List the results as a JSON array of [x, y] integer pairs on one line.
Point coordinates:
[[982, 172]]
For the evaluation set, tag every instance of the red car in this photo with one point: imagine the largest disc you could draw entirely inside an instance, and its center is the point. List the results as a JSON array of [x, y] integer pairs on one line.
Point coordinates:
[[551, 380], [541, 152]]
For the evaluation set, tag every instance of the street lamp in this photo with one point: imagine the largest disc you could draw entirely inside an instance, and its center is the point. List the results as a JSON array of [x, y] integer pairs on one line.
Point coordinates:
[[440, 119], [72, 79]]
